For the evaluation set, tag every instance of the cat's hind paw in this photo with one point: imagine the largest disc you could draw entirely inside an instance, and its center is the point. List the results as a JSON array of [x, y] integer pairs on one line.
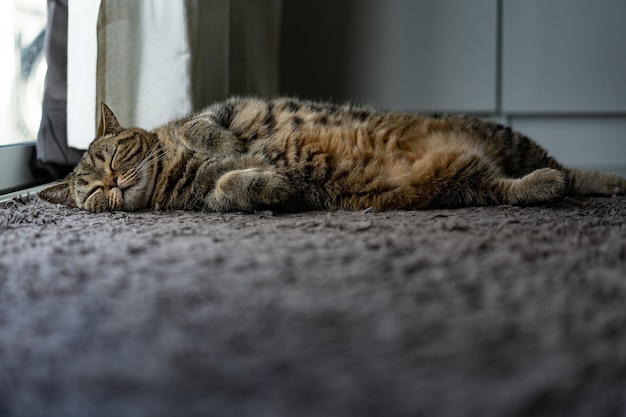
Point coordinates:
[[540, 186]]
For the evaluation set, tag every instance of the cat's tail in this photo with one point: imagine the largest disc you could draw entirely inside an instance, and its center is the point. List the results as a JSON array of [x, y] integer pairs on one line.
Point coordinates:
[[585, 182]]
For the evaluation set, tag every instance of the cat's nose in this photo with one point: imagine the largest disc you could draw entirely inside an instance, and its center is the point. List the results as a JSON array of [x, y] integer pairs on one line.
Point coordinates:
[[112, 183]]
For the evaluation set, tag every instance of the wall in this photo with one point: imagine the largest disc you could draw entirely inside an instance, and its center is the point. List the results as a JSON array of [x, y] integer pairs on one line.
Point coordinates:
[[550, 68]]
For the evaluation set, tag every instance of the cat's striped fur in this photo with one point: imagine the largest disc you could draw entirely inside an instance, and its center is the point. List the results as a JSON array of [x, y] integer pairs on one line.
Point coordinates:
[[289, 154]]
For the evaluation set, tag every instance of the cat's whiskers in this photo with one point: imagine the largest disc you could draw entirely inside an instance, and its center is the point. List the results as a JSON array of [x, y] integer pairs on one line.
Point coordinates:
[[155, 155], [129, 177]]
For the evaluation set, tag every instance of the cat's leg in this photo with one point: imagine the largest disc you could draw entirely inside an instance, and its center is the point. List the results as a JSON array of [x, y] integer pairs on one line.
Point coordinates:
[[201, 134], [250, 189], [465, 179]]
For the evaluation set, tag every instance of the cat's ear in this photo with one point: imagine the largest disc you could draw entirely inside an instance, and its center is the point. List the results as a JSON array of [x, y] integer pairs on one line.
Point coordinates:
[[108, 121], [58, 193]]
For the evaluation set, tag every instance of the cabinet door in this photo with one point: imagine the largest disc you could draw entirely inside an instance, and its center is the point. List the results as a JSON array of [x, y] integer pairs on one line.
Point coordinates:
[[564, 56], [403, 54]]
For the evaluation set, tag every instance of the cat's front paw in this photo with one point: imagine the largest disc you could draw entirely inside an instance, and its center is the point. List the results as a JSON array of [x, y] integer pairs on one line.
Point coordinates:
[[252, 188]]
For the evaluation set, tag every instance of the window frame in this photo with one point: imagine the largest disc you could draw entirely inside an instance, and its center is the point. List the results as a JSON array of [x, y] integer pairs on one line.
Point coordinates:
[[21, 166], [15, 167]]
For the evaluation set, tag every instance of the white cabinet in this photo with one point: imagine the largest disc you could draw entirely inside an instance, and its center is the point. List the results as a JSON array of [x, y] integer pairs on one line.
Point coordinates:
[[435, 55], [563, 56], [430, 55]]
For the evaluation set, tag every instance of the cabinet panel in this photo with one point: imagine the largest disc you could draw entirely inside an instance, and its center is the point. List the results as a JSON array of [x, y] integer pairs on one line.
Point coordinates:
[[401, 54], [596, 143], [564, 56]]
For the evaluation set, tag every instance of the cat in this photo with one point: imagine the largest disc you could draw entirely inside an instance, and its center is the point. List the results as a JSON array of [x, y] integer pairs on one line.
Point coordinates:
[[287, 154]]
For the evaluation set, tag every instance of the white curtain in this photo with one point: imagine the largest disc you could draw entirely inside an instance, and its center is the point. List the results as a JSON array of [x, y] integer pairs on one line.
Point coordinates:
[[152, 61]]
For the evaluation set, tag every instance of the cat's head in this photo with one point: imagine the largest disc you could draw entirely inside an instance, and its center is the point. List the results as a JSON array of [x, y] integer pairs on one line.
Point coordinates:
[[115, 173]]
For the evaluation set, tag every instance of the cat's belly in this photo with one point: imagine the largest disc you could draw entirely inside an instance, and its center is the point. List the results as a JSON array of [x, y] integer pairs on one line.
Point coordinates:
[[347, 168]]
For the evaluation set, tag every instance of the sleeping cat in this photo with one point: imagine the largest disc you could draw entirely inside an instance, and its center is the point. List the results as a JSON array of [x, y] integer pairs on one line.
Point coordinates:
[[286, 154]]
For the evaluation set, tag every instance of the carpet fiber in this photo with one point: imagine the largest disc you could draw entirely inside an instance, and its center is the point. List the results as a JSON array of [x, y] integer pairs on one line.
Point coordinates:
[[496, 311]]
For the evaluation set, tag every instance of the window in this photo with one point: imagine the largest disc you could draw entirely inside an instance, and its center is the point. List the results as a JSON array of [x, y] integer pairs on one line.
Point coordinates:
[[22, 26], [22, 73]]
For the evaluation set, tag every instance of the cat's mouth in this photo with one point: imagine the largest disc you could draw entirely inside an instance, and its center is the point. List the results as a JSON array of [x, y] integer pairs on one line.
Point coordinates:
[[126, 196]]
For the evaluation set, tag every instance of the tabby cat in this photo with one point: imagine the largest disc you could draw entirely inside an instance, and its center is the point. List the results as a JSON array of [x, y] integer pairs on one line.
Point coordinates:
[[286, 154]]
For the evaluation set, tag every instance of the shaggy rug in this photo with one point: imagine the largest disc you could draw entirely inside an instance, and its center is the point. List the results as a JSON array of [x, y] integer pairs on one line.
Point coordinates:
[[496, 311]]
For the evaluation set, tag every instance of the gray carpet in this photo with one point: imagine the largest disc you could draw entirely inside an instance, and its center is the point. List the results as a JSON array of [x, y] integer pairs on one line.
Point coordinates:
[[497, 311]]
